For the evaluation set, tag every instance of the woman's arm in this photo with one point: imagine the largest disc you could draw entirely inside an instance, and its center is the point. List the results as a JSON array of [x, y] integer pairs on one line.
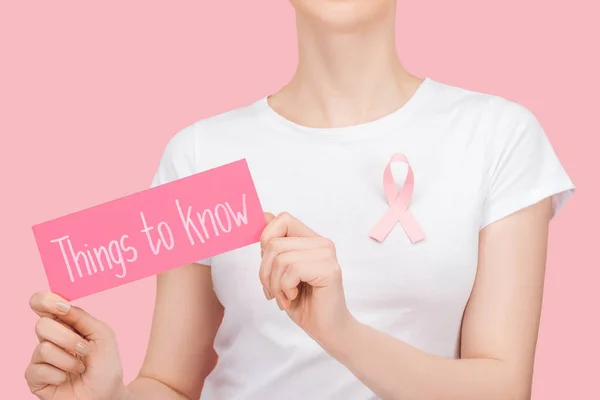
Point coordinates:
[[499, 332], [180, 354]]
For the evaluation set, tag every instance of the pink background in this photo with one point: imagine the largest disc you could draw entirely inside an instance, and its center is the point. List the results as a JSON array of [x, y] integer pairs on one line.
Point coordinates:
[[90, 92]]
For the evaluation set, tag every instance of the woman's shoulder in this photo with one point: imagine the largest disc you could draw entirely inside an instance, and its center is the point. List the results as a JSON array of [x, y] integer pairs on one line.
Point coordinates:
[[224, 125], [480, 104], [208, 142], [233, 117]]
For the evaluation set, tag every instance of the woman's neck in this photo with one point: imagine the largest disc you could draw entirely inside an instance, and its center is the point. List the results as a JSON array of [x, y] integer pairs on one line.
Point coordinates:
[[345, 77]]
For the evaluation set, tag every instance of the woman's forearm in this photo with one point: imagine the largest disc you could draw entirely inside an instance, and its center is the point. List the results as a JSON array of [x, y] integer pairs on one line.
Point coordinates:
[[144, 388], [395, 370]]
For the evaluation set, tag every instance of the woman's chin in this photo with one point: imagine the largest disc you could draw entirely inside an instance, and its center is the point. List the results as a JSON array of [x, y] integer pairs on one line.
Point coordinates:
[[346, 15]]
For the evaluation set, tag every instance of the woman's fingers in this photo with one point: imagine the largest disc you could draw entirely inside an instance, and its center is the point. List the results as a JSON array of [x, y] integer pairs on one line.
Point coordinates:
[[38, 376], [282, 226], [51, 306], [289, 286], [87, 325], [286, 242], [269, 217], [292, 275], [292, 259], [283, 262], [280, 263], [302, 272], [50, 330], [49, 353], [285, 225], [277, 246]]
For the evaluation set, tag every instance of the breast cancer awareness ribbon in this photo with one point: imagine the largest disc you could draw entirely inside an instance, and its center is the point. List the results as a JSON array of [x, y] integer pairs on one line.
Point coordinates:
[[399, 201]]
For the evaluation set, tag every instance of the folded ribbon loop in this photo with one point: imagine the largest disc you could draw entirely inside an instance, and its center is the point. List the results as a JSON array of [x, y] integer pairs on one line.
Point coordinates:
[[399, 201]]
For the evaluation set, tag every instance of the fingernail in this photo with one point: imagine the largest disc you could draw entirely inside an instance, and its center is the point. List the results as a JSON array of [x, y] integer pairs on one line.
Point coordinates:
[[267, 293], [279, 304], [63, 307], [81, 368], [83, 349]]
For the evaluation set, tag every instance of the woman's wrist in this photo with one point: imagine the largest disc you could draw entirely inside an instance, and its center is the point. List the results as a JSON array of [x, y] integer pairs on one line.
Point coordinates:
[[335, 341]]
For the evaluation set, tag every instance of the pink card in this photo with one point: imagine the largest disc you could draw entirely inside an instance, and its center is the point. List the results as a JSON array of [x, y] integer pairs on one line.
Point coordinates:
[[151, 231]]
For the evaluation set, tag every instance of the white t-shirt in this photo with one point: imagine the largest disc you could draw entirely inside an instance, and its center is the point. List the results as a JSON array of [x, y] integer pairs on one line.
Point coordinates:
[[476, 159]]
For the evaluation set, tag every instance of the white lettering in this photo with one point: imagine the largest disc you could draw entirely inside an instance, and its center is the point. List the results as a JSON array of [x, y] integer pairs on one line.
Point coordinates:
[[217, 208], [96, 258], [187, 223], [237, 217]]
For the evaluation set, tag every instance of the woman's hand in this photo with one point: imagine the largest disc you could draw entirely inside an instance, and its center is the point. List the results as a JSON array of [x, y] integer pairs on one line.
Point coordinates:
[[77, 357], [300, 270]]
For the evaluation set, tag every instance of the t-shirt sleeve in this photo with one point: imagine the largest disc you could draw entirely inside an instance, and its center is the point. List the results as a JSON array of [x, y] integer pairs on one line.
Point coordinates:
[[523, 167], [178, 161]]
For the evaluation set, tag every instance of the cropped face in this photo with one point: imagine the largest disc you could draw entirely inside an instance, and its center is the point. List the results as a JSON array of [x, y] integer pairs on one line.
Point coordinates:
[[344, 14]]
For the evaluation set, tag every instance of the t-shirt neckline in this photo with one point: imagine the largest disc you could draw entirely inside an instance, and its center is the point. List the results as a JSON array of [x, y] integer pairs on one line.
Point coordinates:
[[380, 125]]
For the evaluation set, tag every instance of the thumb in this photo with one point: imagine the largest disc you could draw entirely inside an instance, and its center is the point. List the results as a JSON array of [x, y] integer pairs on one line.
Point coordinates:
[[269, 217], [84, 323]]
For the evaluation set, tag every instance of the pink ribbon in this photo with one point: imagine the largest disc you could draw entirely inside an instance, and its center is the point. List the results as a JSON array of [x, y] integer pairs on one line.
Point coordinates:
[[398, 200]]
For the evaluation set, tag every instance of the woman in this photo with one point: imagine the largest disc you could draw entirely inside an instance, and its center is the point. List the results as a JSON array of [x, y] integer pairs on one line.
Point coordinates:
[[453, 316]]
